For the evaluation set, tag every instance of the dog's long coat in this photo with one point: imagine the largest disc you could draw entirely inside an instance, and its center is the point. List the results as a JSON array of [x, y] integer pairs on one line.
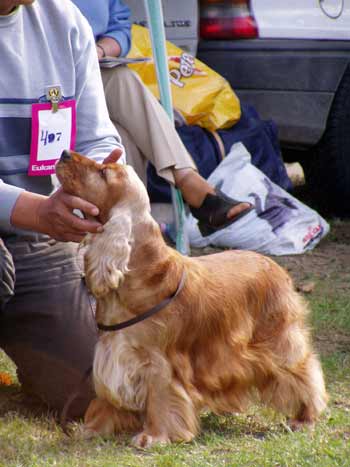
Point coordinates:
[[236, 330]]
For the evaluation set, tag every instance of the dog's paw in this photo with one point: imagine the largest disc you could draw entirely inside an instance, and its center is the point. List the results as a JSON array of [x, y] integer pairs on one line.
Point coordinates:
[[145, 440], [298, 425]]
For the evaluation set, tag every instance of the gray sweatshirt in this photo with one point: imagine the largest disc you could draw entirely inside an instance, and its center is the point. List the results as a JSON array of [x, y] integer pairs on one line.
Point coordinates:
[[46, 43]]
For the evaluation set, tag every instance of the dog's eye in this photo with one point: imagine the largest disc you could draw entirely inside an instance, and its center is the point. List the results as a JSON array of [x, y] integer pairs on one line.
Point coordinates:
[[103, 173]]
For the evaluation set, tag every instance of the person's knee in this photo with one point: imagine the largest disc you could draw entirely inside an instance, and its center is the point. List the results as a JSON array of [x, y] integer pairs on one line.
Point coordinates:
[[120, 80], [7, 275]]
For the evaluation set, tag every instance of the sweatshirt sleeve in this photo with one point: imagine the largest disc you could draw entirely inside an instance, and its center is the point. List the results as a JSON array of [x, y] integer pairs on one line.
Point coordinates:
[[119, 27], [8, 197], [96, 134]]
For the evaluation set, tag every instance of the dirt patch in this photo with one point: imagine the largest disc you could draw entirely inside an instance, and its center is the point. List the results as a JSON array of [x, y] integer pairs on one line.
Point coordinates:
[[330, 342], [329, 260]]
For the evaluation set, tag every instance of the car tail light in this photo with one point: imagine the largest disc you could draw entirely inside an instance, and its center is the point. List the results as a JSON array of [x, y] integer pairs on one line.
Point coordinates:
[[230, 19]]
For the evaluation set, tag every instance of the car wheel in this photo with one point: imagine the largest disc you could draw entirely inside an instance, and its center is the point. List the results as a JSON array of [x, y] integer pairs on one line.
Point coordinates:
[[328, 170]]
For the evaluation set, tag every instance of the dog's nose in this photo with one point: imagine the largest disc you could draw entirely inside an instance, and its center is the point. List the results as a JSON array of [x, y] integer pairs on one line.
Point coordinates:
[[65, 156]]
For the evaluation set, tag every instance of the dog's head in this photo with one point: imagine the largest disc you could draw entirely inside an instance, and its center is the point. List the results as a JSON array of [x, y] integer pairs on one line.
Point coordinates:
[[122, 201], [104, 185]]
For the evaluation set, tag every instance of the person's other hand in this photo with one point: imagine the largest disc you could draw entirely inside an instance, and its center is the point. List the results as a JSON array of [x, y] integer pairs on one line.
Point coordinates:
[[107, 47], [114, 156], [100, 53], [55, 217]]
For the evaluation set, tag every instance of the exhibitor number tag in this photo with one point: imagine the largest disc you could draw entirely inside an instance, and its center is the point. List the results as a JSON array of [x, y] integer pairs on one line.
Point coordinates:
[[53, 130]]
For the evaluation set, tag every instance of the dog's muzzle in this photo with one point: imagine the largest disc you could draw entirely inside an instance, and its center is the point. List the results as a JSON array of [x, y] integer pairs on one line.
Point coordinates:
[[65, 156]]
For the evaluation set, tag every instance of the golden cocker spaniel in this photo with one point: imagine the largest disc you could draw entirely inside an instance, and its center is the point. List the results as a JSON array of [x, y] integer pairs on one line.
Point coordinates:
[[233, 333]]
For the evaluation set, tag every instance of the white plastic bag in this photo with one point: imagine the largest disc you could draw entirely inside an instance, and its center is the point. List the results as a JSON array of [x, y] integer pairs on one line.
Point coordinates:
[[279, 224]]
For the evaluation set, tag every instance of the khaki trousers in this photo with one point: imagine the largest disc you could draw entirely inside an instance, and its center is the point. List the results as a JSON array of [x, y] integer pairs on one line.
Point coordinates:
[[47, 324], [146, 130]]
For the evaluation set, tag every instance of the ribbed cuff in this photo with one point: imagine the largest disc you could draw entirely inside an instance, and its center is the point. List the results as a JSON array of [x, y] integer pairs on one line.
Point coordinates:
[[8, 196]]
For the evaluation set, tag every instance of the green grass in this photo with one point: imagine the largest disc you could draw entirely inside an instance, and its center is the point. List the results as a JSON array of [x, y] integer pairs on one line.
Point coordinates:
[[331, 313], [259, 438]]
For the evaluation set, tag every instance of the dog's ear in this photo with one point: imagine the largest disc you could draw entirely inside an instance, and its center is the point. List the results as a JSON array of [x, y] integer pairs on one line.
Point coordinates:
[[107, 256]]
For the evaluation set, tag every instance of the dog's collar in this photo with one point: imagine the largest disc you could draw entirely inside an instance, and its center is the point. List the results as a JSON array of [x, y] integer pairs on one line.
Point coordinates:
[[117, 327], [146, 314]]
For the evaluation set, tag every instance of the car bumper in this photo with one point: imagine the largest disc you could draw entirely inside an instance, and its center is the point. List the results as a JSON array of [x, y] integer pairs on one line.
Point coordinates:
[[292, 82]]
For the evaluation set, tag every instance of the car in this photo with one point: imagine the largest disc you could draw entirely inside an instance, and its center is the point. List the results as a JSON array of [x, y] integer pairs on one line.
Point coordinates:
[[291, 61], [181, 21]]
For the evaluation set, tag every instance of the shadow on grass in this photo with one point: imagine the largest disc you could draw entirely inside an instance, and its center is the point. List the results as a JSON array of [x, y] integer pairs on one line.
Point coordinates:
[[12, 399]]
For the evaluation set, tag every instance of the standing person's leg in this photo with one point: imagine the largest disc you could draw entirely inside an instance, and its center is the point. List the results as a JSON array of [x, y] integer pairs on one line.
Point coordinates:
[[48, 328]]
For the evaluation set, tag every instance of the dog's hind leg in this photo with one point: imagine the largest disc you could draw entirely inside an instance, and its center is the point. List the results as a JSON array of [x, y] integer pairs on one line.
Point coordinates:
[[170, 416], [312, 393], [103, 419], [298, 392]]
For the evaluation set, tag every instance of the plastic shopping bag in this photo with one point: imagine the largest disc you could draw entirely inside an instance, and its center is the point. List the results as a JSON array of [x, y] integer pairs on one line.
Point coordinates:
[[200, 95], [279, 225]]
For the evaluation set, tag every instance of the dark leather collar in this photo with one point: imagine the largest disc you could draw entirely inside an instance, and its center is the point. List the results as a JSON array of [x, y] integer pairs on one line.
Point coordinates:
[[116, 327], [146, 314]]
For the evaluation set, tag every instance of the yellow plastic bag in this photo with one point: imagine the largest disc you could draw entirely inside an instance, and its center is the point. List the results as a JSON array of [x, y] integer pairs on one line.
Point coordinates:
[[201, 95]]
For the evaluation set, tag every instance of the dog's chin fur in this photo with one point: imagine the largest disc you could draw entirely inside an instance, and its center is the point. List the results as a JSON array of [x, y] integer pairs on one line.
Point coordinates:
[[236, 332]]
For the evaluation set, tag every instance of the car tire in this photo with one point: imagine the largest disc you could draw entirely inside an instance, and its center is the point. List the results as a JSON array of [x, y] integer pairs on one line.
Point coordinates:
[[328, 169]]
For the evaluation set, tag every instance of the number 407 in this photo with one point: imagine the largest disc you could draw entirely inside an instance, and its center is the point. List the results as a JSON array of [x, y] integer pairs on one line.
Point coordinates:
[[49, 138]]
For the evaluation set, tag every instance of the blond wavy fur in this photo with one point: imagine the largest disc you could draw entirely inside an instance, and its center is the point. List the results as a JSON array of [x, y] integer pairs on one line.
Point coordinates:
[[236, 332], [106, 272]]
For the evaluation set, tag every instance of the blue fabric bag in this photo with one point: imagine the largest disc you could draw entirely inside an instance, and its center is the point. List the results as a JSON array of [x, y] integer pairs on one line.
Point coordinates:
[[258, 136]]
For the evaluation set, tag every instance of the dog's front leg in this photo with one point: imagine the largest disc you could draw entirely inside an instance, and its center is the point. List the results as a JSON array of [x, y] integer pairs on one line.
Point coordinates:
[[170, 415], [103, 419]]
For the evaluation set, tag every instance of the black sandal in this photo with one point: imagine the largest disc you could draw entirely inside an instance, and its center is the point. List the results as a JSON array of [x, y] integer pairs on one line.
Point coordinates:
[[212, 214]]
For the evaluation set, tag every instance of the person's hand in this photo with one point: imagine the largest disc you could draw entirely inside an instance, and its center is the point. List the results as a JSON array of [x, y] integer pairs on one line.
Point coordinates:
[[55, 217], [107, 47], [55, 214], [100, 53], [114, 156]]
